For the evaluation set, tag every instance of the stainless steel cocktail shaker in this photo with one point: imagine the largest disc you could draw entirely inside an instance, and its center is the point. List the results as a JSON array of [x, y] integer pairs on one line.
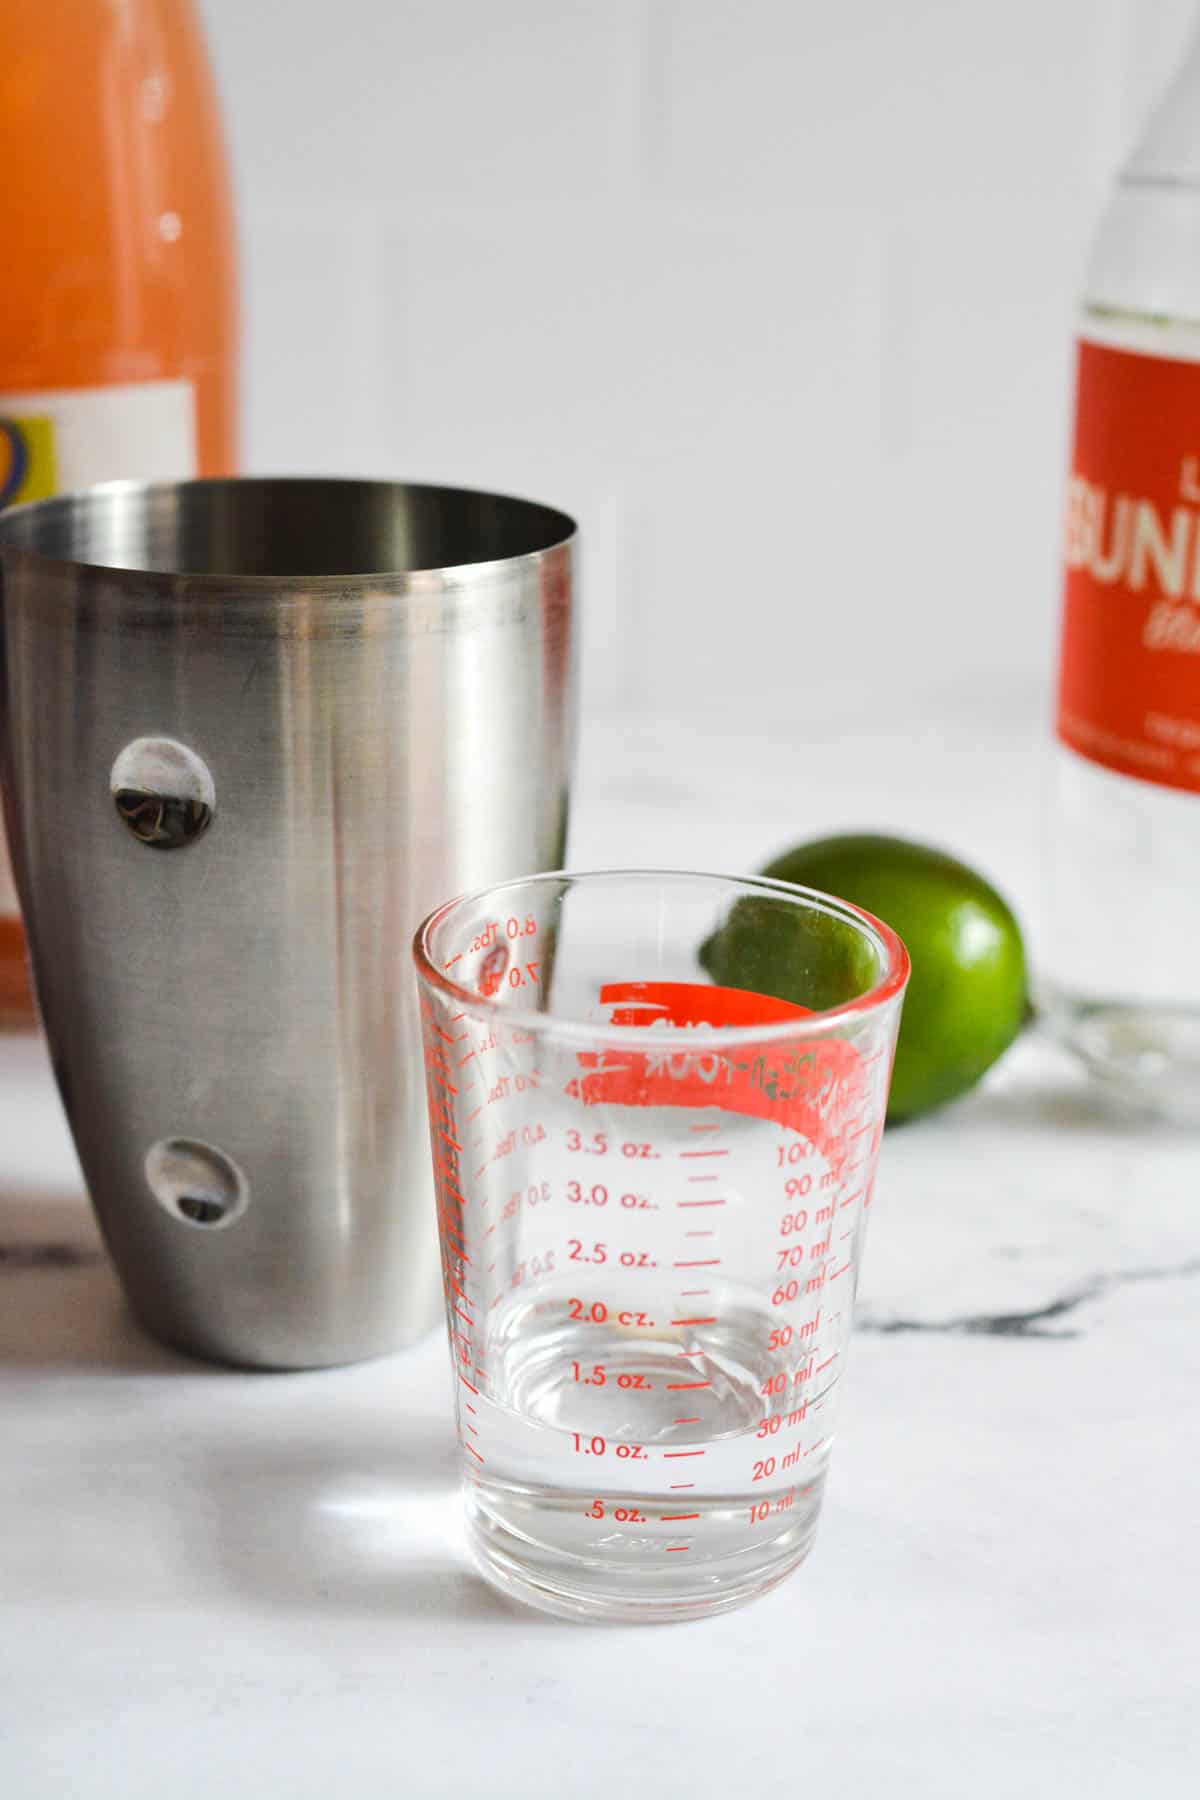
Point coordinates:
[[250, 731]]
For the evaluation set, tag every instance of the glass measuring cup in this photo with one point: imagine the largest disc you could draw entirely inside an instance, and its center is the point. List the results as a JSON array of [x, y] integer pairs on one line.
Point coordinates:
[[652, 1193]]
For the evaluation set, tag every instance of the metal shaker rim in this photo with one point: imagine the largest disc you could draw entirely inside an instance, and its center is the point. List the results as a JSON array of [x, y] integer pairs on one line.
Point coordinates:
[[410, 537]]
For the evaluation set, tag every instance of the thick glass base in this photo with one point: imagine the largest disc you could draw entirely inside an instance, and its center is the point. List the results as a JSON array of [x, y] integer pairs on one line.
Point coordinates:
[[1146, 1059], [590, 1587]]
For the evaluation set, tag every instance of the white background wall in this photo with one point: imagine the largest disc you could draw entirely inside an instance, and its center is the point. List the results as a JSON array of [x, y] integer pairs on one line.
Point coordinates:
[[775, 296]]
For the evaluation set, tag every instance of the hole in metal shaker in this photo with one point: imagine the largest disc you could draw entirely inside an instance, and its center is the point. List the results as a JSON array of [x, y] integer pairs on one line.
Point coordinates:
[[163, 792], [196, 1183]]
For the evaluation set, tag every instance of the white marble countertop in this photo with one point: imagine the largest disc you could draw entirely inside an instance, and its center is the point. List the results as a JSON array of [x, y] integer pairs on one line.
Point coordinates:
[[253, 1586]]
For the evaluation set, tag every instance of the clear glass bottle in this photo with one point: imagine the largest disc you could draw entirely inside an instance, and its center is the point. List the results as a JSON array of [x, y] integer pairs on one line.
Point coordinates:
[[1123, 856]]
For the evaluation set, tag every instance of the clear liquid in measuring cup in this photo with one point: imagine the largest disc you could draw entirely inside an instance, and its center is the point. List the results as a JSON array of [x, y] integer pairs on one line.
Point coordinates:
[[614, 1449]]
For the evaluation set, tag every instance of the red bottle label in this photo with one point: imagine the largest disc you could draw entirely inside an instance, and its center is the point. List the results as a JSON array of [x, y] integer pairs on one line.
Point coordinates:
[[1129, 678]]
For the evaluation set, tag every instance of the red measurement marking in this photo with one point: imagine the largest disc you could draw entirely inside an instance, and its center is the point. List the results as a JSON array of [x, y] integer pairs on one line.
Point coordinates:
[[468, 1384], [827, 1362], [699, 1203], [861, 1130], [669, 1547], [464, 1060], [471, 1117], [856, 1195], [684, 1155], [840, 1271], [677, 1453], [488, 1233], [678, 1387], [455, 1017], [474, 1452], [843, 1235], [704, 1128], [444, 1035], [479, 1171], [711, 1321], [451, 963], [820, 1443], [677, 1518], [677, 1487], [709, 1262], [692, 1178], [447, 1139], [470, 1408], [473, 1428], [693, 1293], [465, 1317], [459, 1290], [708, 1233], [694, 1421], [492, 1305]]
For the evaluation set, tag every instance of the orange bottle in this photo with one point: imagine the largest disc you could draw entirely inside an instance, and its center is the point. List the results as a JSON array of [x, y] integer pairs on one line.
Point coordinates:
[[118, 328]]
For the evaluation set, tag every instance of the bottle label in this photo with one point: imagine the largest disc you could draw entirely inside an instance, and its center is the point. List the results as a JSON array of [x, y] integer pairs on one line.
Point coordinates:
[[1129, 675], [70, 437]]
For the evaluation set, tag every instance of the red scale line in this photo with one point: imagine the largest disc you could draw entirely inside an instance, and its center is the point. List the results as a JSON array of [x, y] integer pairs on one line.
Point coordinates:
[[474, 1452], [711, 1321]]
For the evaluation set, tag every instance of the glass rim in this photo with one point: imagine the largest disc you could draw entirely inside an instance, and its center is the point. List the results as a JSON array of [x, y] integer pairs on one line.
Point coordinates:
[[890, 985]]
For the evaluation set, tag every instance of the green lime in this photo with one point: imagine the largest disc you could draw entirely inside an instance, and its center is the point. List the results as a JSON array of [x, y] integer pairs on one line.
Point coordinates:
[[968, 994]]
